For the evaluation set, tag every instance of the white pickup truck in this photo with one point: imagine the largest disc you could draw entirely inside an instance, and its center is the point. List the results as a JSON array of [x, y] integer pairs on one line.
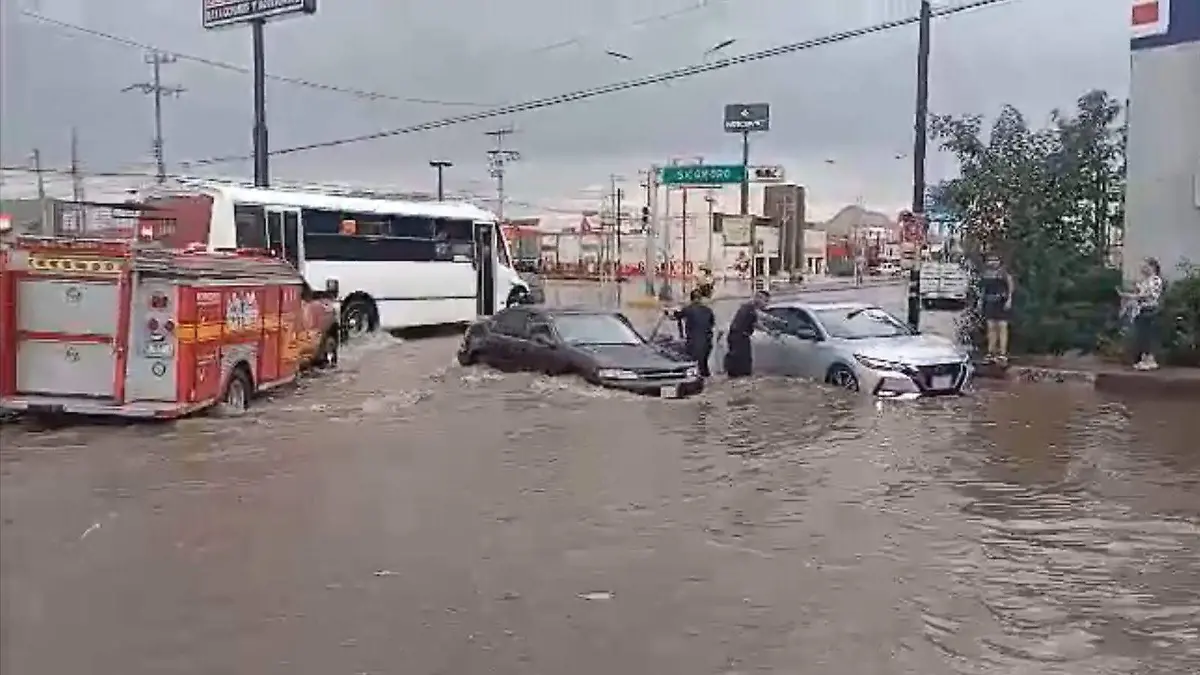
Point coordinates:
[[944, 284]]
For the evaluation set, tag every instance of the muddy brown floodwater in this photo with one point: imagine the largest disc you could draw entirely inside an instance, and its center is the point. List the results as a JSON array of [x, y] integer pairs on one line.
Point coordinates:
[[407, 516]]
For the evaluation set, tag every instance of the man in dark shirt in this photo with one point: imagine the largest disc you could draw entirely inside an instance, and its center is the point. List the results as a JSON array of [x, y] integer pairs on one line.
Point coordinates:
[[697, 322], [739, 361]]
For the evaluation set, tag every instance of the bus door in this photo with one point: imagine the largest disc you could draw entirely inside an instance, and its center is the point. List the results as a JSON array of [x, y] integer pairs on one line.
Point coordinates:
[[283, 234], [485, 268]]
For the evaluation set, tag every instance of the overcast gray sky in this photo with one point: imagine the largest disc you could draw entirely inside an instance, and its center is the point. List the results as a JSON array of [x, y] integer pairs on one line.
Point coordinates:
[[850, 102]]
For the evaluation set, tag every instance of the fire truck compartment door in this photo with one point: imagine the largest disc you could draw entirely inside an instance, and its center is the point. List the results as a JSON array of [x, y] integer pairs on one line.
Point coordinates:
[[59, 368], [65, 337], [68, 307]]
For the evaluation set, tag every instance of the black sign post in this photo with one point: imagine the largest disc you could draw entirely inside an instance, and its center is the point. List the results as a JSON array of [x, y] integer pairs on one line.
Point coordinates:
[[745, 118], [225, 13]]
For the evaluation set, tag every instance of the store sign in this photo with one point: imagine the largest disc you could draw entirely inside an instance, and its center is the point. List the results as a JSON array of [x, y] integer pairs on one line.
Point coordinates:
[[221, 13], [1151, 17]]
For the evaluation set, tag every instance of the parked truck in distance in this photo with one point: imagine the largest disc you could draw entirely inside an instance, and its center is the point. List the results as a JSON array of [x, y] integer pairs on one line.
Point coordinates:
[[944, 284]]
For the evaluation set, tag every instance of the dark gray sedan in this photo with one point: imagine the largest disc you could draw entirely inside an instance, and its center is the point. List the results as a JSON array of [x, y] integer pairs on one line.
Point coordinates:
[[600, 346]]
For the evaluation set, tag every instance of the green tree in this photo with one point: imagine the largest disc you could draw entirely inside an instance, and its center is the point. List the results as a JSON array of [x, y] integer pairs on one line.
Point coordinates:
[[1045, 200]]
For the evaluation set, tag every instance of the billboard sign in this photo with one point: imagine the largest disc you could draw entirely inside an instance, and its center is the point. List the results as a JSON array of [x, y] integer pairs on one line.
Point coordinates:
[[736, 229], [746, 117], [222, 13]]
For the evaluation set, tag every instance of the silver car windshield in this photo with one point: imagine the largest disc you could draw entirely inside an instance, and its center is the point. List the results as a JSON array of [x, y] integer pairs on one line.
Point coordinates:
[[861, 324], [595, 329]]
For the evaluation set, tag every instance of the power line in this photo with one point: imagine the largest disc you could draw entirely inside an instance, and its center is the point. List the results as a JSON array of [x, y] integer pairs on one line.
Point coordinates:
[[75, 174], [349, 91], [244, 70], [594, 92]]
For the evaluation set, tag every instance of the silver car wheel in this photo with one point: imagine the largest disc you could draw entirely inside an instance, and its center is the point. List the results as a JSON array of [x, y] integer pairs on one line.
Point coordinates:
[[843, 378]]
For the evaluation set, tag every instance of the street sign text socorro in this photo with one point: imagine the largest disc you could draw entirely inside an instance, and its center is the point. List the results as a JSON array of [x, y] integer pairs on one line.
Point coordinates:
[[746, 117], [703, 174], [221, 13]]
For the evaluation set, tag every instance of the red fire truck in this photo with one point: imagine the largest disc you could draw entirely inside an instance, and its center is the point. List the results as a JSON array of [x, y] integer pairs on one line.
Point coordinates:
[[104, 327]]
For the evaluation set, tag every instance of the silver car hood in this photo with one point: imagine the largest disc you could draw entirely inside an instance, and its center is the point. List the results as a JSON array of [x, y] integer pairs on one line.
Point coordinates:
[[917, 350]]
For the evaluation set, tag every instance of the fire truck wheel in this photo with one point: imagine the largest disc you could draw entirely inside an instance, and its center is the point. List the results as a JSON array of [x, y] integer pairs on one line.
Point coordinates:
[[237, 393], [327, 354]]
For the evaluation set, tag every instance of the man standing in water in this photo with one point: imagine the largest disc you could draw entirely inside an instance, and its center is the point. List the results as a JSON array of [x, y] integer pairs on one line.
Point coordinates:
[[698, 322], [739, 360]]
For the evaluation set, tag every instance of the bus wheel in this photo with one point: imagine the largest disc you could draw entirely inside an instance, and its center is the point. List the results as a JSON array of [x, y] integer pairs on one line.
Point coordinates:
[[358, 318]]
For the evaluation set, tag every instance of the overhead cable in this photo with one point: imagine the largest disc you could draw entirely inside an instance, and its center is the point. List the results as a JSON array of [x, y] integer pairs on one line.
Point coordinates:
[[602, 90]]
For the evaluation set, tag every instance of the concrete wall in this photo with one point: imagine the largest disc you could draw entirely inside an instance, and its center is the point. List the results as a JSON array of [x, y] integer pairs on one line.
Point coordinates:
[[1163, 215]]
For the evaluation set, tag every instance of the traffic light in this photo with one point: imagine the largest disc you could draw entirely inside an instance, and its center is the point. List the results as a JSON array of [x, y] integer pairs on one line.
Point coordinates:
[[646, 218]]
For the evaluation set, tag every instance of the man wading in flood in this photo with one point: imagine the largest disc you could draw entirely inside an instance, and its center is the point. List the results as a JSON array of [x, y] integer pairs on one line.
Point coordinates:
[[697, 323], [739, 360]]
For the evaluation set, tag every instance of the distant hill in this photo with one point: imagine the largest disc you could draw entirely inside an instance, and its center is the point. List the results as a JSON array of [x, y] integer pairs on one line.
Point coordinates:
[[854, 216]]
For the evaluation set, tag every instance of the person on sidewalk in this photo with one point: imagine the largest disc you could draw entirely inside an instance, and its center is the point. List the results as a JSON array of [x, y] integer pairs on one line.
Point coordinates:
[[996, 293], [705, 283], [739, 359], [1146, 298], [697, 323]]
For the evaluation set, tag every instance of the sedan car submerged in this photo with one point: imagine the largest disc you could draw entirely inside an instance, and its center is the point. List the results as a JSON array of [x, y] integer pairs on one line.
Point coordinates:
[[859, 347], [600, 346]]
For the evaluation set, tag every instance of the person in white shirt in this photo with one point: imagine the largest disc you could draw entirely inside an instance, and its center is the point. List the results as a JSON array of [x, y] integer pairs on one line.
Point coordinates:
[[1146, 298]]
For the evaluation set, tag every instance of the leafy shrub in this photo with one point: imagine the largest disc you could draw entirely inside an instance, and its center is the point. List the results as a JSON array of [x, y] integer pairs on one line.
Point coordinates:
[[1181, 320]]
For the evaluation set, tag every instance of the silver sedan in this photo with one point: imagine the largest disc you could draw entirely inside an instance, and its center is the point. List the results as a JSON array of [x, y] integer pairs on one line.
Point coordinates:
[[859, 347]]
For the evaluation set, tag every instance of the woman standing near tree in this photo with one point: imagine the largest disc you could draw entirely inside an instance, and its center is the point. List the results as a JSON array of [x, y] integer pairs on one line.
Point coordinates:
[[1147, 295], [996, 286]]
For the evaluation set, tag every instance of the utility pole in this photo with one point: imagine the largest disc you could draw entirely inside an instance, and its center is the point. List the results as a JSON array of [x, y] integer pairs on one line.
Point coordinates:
[[745, 195], [686, 280], [440, 165], [920, 137], [77, 185], [76, 176], [648, 214], [617, 226], [711, 200], [47, 220], [157, 89], [498, 157]]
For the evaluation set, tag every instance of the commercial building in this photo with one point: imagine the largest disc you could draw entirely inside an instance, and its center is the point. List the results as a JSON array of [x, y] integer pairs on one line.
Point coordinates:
[[1163, 192], [785, 204]]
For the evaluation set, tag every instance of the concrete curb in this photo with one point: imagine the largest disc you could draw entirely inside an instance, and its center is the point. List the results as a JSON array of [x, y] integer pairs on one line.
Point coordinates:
[[1174, 382]]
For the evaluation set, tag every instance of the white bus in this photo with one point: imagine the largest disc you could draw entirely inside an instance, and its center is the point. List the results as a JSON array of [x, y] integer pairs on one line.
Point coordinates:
[[398, 264]]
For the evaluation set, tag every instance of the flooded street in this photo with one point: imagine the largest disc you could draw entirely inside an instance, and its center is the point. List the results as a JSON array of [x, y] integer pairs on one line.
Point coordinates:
[[408, 516]]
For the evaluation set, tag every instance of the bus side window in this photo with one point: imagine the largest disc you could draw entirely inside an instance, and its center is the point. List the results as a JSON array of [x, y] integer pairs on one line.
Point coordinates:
[[416, 227], [250, 223], [321, 222], [457, 234]]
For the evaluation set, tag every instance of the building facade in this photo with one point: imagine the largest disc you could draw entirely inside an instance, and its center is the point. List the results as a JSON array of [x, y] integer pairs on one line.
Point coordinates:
[[1163, 191], [785, 204]]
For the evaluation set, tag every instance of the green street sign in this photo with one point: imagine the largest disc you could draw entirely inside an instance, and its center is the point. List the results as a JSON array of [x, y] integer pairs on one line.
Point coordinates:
[[703, 174]]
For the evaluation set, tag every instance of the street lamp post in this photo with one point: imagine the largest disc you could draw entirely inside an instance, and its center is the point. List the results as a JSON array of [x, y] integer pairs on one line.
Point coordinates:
[[440, 165], [920, 139]]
